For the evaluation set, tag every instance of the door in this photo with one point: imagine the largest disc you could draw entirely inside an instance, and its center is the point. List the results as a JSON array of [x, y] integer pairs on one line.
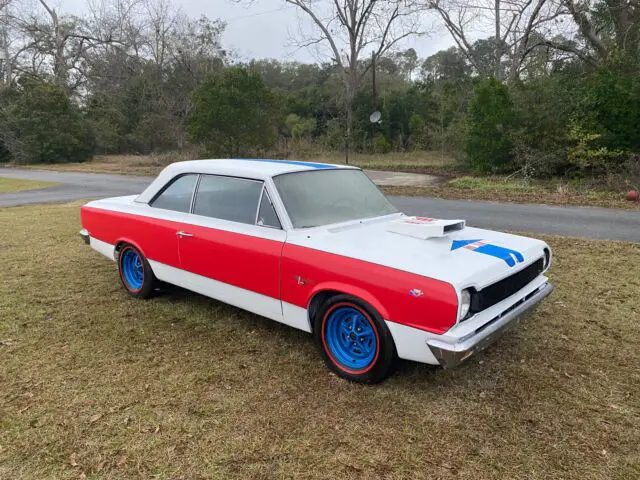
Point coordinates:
[[232, 247], [155, 232]]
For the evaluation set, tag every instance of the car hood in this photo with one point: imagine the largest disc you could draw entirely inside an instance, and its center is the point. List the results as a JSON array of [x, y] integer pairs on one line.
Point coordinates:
[[470, 257]]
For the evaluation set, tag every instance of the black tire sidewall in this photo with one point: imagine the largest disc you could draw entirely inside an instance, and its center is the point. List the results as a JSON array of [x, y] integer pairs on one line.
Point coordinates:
[[387, 355], [148, 283]]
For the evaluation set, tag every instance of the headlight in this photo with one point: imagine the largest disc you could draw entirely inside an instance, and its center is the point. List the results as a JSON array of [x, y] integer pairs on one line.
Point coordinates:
[[547, 258], [465, 303]]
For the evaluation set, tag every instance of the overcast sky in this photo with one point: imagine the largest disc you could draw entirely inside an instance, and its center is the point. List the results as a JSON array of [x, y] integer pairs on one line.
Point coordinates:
[[266, 28]]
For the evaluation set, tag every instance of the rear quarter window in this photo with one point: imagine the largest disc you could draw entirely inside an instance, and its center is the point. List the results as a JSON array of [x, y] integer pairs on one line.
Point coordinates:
[[177, 194]]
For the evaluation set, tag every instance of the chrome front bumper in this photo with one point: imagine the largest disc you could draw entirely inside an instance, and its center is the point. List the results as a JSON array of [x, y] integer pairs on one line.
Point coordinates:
[[449, 355], [84, 234]]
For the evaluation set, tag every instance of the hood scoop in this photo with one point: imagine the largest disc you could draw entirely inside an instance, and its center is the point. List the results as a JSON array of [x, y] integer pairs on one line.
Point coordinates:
[[424, 227]]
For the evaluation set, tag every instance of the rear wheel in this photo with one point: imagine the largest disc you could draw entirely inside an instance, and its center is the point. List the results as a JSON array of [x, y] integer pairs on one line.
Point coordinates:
[[354, 341], [135, 272]]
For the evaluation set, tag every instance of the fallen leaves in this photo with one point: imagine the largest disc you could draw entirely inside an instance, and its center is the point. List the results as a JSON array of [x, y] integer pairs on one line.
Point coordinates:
[[95, 418], [150, 429]]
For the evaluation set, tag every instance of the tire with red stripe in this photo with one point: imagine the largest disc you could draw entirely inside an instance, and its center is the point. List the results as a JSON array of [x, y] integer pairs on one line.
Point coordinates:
[[135, 272], [354, 340]]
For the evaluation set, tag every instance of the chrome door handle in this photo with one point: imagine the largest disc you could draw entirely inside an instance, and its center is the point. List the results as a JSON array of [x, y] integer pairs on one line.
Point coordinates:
[[182, 234]]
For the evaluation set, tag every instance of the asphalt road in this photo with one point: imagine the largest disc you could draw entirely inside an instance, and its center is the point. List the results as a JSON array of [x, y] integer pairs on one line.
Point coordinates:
[[588, 222], [73, 186]]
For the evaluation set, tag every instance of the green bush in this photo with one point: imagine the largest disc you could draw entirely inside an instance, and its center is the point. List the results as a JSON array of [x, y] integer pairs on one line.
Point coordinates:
[[42, 125], [587, 152], [417, 128], [611, 104], [334, 137], [381, 144], [299, 127], [234, 114], [491, 117]]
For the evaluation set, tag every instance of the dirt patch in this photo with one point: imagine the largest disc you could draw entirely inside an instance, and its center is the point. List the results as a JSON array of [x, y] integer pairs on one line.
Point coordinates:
[[401, 179]]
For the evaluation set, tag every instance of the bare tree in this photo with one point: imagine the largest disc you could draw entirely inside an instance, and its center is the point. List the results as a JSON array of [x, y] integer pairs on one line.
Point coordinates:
[[45, 41], [512, 22], [5, 63], [606, 26], [349, 28]]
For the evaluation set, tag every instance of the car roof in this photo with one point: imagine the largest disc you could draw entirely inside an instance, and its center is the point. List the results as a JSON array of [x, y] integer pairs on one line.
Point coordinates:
[[255, 168], [259, 168]]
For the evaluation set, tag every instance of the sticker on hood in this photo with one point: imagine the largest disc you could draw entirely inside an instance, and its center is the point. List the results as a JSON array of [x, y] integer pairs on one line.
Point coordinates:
[[511, 257]]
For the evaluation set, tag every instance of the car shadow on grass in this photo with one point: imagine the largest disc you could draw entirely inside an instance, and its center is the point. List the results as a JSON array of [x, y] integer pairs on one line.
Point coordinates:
[[296, 339]]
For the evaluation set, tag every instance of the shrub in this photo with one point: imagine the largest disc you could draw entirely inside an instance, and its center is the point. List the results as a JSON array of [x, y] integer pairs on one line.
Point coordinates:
[[42, 125], [381, 144], [234, 113], [300, 127], [491, 117]]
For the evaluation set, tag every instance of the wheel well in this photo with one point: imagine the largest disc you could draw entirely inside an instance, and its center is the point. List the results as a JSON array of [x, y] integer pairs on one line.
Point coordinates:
[[117, 247], [317, 300]]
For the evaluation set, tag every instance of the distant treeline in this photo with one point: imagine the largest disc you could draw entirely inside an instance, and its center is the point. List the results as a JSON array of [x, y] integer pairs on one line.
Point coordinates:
[[558, 111]]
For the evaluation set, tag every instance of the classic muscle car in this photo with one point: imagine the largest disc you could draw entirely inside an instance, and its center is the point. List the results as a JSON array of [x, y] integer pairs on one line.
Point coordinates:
[[319, 247]]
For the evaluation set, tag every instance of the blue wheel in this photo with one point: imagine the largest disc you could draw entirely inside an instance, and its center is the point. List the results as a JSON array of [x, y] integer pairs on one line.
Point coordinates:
[[132, 269], [354, 340], [135, 272], [350, 338]]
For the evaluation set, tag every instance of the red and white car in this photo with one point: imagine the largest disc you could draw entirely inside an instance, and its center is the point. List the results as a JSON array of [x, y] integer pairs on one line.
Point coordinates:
[[318, 247]]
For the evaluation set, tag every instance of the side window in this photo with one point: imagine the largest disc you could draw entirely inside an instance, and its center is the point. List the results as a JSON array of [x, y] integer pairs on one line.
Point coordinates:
[[177, 196], [228, 198], [267, 214]]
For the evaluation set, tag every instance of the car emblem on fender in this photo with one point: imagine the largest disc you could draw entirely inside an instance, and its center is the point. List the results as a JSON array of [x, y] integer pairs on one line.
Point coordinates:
[[416, 292]]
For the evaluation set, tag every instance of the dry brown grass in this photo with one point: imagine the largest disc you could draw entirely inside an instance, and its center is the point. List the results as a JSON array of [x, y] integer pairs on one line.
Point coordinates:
[[532, 194], [96, 383], [152, 164], [10, 185], [117, 164]]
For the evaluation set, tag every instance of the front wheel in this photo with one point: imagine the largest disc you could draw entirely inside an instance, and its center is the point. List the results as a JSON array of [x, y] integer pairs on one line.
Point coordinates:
[[354, 341], [135, 272]]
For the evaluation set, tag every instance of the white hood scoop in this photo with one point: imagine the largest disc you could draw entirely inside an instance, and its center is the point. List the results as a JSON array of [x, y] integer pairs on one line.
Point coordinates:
[[424, 227]]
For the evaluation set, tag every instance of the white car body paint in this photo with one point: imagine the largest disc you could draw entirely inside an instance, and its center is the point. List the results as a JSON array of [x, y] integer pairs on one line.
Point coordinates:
[[375, 240]]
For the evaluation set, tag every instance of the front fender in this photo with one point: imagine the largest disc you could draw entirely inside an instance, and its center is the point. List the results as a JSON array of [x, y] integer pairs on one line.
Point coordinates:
[[349, 290]]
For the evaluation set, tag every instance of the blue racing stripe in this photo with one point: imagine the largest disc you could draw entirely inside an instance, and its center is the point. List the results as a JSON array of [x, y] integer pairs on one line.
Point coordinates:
[[289, 162]]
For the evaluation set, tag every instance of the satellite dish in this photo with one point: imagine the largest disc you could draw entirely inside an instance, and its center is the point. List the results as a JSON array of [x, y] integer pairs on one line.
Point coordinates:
[[375, 117]]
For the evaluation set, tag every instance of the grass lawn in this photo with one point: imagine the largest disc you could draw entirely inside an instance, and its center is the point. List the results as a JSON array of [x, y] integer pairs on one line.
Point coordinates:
[[97, 384], [499, 189], [9, 185]]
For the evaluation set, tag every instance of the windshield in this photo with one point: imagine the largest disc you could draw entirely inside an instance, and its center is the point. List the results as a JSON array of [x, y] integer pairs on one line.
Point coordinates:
[[321, 197]]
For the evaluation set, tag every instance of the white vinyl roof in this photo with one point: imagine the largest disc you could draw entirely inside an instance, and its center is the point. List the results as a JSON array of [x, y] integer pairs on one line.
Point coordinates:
[[259, 169]]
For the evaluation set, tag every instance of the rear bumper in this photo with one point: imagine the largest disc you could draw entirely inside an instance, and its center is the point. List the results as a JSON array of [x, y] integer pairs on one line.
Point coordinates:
[[449, 355], [84, 234]]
